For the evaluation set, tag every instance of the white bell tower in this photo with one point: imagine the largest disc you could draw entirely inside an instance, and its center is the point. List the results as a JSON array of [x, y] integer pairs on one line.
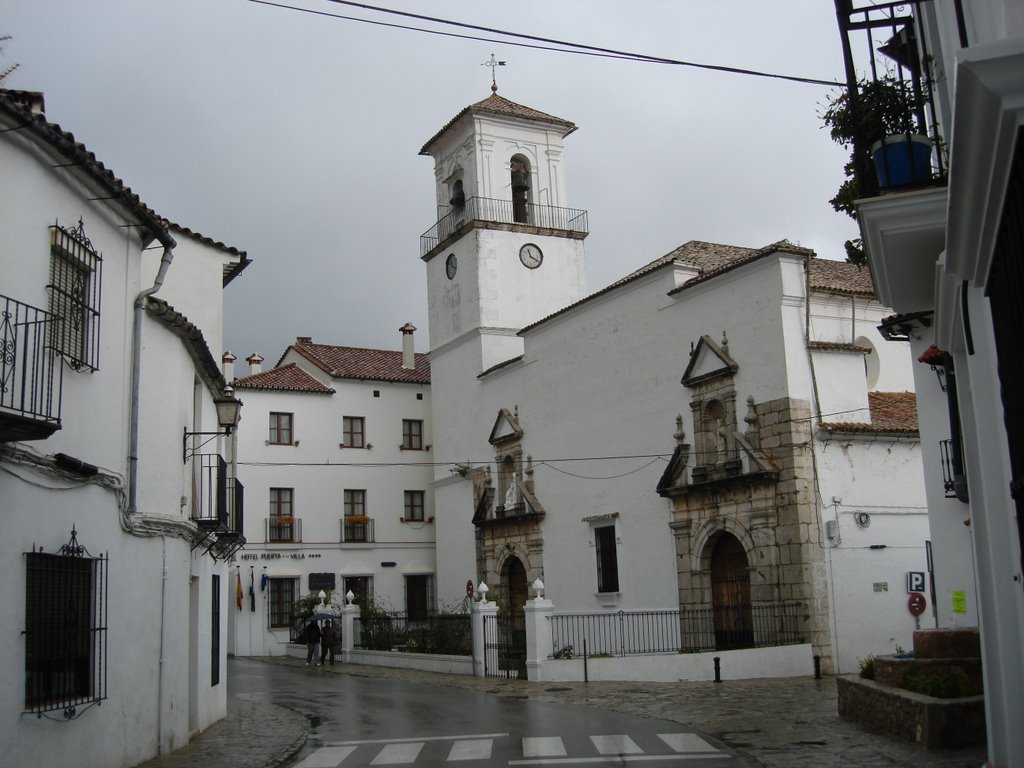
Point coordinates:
[[506, 251]]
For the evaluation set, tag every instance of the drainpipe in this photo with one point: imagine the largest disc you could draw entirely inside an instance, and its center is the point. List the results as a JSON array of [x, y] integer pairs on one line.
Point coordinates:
[[133, 424], [133, 455]]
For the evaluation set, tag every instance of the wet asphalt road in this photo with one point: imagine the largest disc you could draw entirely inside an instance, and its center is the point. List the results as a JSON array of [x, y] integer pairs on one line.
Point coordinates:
[[362, 721]]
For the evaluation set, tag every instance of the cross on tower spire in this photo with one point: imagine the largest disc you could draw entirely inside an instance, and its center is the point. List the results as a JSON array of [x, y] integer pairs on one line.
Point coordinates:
[[493, 63]]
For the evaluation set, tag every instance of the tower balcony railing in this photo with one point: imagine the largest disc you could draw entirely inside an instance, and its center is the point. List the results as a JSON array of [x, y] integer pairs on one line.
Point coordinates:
[[31, 377], [891, 90], [491, 211]]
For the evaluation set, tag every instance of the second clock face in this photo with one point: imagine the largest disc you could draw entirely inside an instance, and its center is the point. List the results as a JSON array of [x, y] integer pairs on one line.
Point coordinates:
[[451, 266], [531, 256]]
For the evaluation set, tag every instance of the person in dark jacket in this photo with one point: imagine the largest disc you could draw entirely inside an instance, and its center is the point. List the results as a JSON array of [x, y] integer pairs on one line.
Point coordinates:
[[327, 641], [313, 642]]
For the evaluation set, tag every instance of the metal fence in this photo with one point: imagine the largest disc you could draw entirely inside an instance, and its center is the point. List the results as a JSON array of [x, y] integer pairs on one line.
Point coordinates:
[[449, 634], [630, 633], [502, 212], [30, 376]]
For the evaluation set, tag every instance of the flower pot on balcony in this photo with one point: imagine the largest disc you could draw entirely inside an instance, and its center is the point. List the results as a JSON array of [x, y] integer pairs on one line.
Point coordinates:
[[902, 160]]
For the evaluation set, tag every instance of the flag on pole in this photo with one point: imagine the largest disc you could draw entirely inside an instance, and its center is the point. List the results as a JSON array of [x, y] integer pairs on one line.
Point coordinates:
[[238, 590], [252, 592]]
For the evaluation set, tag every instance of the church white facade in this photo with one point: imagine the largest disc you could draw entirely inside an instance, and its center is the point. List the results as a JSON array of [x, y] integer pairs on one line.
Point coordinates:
[[723, 427]]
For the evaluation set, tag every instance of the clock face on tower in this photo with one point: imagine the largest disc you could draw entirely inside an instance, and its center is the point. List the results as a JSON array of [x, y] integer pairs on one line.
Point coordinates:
[[451, 266], [531, 256]]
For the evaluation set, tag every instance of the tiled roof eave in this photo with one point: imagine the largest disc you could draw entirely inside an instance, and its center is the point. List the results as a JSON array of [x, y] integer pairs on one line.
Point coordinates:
[[65, 144], [866, 431]]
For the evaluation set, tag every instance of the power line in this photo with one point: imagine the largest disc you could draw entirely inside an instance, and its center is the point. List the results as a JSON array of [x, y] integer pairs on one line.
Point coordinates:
[[579, 49]]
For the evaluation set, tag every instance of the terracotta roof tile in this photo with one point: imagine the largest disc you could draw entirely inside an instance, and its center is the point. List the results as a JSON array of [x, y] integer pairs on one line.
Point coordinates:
[[288, 377], [499, 105], [841, 277], [838, 346], [367, 364], [891, 412]]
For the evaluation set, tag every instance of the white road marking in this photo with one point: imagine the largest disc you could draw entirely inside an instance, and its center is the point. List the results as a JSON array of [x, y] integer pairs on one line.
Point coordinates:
[[471, 749], [616, 745], [615, 759], [686, 742], [326, 757], [453, 737], [401, 753], [543, 746]]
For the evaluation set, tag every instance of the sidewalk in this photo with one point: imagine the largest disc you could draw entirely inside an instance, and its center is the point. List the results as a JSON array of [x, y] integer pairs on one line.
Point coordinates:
[[782, 722]]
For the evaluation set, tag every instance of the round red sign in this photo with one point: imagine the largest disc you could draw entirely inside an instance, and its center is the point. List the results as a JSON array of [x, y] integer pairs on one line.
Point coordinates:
[[469, 589], [917, 603]]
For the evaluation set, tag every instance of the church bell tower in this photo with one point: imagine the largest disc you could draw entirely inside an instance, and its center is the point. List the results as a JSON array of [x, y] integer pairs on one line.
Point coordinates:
[[506, 250]]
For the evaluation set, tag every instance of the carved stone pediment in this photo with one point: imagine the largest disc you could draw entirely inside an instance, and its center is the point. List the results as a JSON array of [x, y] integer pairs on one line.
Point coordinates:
[[708, 360]]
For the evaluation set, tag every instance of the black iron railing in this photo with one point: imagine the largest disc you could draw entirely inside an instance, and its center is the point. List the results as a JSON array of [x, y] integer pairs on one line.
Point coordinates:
[[485, 209], [629, 633], [356, 529], [217, 497], [889, 68], [31, 377], [283, 530], [450, 634]]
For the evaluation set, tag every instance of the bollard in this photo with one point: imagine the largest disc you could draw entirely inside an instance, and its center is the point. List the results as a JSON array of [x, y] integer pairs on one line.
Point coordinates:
[[817, 667], [718, 669]]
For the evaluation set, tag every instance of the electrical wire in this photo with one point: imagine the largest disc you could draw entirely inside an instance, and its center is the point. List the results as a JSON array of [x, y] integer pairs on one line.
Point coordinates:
[[579, 49]]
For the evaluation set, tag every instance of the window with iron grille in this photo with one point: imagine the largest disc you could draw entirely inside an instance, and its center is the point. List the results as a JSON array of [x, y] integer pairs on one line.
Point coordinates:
[[65, 631], [414, 505], [361, 588], [353, 431], [215, 631], [282, 601], [280, 428], [607, 559], [74, 291], [412, 434]]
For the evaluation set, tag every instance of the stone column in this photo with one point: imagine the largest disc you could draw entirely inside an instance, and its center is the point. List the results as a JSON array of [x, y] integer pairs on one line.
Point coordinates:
[[538, 636], [348, 631], [481, 610]]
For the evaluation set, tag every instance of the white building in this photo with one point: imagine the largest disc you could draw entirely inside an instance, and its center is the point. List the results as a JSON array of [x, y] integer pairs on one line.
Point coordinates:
[[782, 473], [946, 255], [114, 571], [336, 457]]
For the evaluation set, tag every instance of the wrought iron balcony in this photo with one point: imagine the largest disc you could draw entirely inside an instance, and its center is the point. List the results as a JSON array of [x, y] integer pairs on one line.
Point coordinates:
[[357, 529], [890, 97], [283, 530], [492, 213], [31, 377], [217, 505]]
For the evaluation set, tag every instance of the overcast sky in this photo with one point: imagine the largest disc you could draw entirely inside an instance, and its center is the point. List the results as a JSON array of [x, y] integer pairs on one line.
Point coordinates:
[[295, 136]]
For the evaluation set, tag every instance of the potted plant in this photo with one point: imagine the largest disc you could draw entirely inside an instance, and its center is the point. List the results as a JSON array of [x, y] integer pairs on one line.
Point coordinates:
[[880, 123]]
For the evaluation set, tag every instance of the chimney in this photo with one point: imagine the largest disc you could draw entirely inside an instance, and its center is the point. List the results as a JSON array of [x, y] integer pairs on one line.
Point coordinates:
[[408, 351], [303, 339], [227, 366], [255, 363]]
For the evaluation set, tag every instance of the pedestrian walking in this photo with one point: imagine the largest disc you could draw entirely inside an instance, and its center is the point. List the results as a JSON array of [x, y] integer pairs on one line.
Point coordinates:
[[313, 642], [327, 640]]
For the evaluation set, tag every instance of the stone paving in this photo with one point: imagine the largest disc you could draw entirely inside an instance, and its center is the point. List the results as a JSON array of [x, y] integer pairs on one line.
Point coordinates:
[[781, 723]]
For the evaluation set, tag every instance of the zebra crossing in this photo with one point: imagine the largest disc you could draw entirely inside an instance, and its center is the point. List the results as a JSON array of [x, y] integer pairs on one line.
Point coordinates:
[[519, 751]]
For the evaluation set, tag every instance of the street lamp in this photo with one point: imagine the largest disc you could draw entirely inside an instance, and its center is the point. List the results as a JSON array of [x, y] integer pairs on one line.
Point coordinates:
[[228, 413]]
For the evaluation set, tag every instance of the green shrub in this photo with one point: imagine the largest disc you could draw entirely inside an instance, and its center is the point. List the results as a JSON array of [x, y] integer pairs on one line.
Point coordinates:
[[867, 667], [942, 684]]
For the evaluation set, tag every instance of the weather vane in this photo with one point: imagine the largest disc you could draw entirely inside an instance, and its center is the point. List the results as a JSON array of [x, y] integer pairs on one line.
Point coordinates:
[[493, 63]]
